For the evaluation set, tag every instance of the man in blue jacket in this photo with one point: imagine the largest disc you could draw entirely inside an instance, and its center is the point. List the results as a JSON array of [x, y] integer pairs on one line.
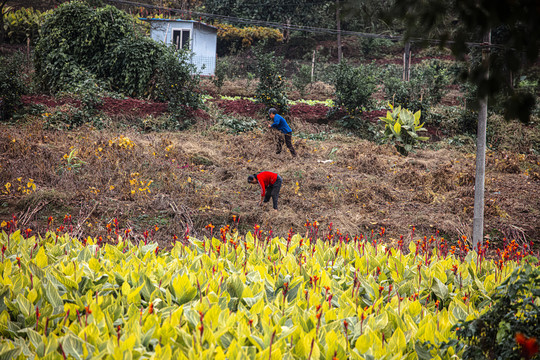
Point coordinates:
[[281, 125]]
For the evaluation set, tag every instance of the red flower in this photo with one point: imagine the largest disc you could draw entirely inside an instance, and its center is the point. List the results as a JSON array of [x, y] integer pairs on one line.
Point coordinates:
[[529, 346]]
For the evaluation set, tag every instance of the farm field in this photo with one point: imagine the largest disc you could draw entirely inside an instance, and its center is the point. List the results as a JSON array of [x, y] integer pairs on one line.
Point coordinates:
[[195, 177], [255, 295], [129, 228]]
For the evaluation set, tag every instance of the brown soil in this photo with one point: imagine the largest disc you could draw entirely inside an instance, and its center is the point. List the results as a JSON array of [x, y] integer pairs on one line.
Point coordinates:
[[199, 177]]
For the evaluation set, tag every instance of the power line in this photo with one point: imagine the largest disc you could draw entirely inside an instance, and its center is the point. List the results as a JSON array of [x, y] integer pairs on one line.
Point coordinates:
[[288, 26]]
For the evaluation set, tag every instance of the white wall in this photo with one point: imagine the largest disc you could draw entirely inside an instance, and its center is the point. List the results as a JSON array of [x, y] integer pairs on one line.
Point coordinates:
[[203, 41]]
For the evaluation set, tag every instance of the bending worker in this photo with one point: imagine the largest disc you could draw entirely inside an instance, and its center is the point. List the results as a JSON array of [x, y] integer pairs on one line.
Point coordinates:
[[270, 185], [281, 125]]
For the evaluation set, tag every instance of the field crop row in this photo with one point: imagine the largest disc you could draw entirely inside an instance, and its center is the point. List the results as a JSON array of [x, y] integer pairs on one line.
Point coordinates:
[[240, 296]]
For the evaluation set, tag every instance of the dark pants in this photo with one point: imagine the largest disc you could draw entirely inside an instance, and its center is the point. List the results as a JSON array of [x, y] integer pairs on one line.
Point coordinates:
[[272, 191], [288, 141]]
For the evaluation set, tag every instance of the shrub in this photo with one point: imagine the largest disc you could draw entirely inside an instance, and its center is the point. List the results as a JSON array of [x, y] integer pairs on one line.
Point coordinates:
[[22, 24], [503, 330], [426, 87], [131, 64], [81, 45], [232, 39], [12, 85], [302, 78], [354, 87], [271, 88], [373, 47], [236, 125], [220, 74], [174, 81], [75, 40]]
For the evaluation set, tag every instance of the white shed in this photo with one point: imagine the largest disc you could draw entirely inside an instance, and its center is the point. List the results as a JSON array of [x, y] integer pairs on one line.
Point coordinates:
[[196, 36]]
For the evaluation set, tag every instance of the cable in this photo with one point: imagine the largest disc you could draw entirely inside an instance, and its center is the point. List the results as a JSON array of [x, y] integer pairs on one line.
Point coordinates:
[[291, 26]]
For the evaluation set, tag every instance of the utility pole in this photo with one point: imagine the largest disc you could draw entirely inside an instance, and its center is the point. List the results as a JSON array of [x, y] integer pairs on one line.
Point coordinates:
[[479, 183], [338, 26], [407, 61]]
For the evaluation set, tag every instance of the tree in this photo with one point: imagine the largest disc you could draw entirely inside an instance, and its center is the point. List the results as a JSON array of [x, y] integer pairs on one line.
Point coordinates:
[[519, 24], [457, 23]]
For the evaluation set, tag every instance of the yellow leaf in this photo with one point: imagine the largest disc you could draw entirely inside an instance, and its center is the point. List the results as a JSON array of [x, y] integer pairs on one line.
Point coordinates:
[[41, 258], [397, 128]]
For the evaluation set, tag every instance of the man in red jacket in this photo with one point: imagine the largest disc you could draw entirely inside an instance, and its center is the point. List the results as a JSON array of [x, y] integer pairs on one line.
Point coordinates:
[[270, 185]]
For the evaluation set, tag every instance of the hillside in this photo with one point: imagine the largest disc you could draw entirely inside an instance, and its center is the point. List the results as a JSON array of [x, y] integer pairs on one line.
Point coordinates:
[[175, 180]]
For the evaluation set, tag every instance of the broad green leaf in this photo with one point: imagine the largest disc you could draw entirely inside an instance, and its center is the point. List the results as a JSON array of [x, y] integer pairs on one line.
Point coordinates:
[[54, 298], [10, 354], [440, 289], [133, 294]]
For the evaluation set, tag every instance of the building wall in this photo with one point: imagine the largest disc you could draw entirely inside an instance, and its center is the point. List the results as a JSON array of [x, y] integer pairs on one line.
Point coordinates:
[[202, 44], [204, 49]]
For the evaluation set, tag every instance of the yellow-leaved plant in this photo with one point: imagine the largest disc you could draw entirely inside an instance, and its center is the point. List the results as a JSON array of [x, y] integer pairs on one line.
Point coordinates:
[[402, 127]]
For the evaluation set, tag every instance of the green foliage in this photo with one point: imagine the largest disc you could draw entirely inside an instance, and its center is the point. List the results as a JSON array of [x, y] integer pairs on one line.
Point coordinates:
[[271, 88], [469, 115], [361, 128], [22, 24], [236, 124], [514, 30], [132, 63], [374, 47], [425, 88], [75, 40], [354, 87], [220, 73], [401, 127], [202, 299], [515, 310], [233, 39], [85, 48], [175, 83], [302, 78], [12, 84]]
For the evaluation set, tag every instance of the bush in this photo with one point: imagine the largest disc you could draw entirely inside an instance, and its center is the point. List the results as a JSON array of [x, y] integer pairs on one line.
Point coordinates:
[[236, 125], [354, 87], [75, 40], [426, 87], [271, 88], [514, 317], [81, 45], [12, 84], [302, 78], [373, 47], [131, 65], [232, 39], [401, 127], [22, 24]]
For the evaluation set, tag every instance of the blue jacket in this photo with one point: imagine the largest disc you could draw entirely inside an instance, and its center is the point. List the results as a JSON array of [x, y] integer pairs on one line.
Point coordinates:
[[281, 124]]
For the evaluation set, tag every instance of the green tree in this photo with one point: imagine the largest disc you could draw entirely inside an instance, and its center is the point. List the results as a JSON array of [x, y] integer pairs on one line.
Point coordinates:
[[74, 40], [271, 89], [515, 26], [81, 45]]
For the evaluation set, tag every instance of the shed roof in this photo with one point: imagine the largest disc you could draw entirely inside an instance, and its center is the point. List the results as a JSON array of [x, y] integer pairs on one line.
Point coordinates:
[[178, 20]]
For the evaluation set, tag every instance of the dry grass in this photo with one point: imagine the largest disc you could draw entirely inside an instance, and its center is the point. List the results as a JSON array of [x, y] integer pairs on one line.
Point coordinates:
[[199, 177]]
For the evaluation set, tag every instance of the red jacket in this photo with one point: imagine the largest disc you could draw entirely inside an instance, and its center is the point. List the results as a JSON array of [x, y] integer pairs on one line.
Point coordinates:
[[265, 179]]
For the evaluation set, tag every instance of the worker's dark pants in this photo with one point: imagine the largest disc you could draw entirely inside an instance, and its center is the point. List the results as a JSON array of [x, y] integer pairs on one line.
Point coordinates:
[[272, 191], [288, 141]]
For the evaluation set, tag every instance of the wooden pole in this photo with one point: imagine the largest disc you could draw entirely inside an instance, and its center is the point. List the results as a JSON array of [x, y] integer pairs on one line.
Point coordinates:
[[338, 26], [313, 66], [478, 220], [407, 61]]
